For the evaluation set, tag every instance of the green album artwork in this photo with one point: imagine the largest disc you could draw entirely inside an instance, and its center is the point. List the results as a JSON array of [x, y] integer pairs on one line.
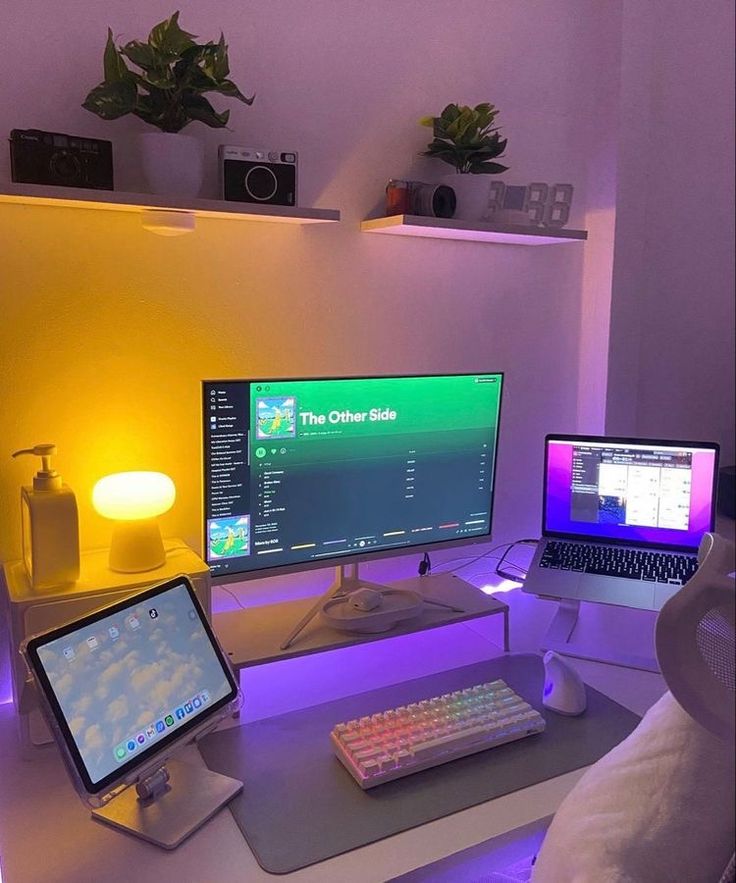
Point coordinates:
[[228, 537], [275, 417]]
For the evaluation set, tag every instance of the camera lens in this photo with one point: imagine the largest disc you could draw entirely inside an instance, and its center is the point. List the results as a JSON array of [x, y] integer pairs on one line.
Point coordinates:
[[434, 201], [444, 202], [260, 183], [66, 166]]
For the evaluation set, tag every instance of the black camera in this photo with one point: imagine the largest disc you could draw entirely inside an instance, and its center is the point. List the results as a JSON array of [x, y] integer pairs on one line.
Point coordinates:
[[38, 157], [418, 198], [249, 174]]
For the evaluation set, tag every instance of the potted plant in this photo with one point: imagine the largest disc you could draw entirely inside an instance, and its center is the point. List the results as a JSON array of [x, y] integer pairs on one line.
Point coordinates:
[[467, 139], [167, 92]]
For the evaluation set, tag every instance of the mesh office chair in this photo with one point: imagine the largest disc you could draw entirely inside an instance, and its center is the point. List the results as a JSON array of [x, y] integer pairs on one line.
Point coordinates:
[[695, 637], [662, 796]]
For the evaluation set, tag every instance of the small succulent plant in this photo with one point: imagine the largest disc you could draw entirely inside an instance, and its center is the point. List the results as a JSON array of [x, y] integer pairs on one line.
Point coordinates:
[[466, 138]]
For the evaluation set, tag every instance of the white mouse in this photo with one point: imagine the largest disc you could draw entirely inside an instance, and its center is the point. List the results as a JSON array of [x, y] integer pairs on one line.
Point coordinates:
[[365, 599], [564, 691]]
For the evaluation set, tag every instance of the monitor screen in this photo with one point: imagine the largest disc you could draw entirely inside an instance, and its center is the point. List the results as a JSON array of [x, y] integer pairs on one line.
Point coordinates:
[[302, 473], [655, 493], [125, 682]]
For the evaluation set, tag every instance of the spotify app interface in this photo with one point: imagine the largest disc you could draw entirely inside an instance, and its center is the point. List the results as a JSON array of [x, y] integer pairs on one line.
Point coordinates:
[[305, 469]]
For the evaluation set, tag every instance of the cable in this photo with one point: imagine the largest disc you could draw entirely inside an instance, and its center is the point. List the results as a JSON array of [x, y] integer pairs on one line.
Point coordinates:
[[469, 559], [507, 546], [233, 596], [512, 576]]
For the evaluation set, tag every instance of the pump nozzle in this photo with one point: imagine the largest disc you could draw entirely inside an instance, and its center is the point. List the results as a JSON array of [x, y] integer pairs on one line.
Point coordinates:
[[47, 478]]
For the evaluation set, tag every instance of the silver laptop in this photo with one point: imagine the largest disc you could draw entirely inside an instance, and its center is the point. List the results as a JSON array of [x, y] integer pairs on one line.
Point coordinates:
[[623, 518]]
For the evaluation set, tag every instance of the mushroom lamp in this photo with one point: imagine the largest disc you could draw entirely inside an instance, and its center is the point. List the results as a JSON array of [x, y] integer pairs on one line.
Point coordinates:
[[134, 500]]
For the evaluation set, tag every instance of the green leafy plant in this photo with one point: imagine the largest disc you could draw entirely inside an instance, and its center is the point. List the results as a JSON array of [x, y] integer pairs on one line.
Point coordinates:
[[175, 74], [466, 138]]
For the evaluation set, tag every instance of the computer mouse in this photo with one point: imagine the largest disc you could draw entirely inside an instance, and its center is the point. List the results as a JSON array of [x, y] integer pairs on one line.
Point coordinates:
[[564, 691], [365, 599]]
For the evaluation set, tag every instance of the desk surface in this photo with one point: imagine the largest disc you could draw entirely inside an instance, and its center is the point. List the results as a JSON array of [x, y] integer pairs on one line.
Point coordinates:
[[46, 833]]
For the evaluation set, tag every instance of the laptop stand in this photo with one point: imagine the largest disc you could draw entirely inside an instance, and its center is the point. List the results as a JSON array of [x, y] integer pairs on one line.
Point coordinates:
[[560, 631]]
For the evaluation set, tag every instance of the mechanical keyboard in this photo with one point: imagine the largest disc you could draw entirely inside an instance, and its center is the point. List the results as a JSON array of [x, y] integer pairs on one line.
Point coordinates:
[[414, 737], [644, 564]]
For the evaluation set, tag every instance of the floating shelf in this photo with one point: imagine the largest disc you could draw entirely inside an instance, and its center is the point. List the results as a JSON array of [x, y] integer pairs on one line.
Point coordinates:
[[111, 200], [473, 231]]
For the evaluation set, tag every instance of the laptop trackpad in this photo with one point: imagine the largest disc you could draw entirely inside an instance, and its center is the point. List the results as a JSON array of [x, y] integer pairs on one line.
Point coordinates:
[[615, 590], [554, 583]]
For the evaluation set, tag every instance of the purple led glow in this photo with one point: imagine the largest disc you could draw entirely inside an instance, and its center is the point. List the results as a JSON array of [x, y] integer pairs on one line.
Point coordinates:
[[506, 585], [6, 688]]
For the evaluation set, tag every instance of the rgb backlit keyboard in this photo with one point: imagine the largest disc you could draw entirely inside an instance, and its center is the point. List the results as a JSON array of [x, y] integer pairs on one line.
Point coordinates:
[[404, 740]]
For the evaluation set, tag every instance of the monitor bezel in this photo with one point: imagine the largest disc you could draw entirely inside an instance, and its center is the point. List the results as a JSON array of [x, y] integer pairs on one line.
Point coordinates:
[[157, 753], [352, 558], [624, 440]]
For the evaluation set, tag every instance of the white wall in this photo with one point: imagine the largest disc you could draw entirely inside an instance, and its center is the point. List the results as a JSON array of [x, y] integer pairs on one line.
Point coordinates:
[[672, 329], [107, 330]]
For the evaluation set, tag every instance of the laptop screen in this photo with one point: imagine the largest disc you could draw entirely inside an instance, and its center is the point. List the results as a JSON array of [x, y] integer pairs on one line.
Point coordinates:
[[629, 490]]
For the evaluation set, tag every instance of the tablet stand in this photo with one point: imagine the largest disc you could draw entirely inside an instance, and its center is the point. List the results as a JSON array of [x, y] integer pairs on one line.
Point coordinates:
[[169, 805]]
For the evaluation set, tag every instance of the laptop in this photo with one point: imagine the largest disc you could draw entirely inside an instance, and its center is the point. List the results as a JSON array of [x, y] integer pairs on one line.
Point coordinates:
[[623, 518]]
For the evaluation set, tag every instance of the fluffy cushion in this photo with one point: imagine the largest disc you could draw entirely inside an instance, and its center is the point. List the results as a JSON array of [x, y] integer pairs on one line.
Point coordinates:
[[658, 807]]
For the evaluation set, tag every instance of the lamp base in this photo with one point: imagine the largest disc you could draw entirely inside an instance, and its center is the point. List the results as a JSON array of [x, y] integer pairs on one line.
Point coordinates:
[[136, 546]]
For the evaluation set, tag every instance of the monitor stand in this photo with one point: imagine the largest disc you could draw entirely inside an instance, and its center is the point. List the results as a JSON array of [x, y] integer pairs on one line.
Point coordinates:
[[169, 805], [347, 579], [560, 632]]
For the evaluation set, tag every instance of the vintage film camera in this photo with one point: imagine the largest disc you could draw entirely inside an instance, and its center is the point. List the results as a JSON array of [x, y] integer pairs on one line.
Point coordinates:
[[38, 157], [249, 174], [418, 198]]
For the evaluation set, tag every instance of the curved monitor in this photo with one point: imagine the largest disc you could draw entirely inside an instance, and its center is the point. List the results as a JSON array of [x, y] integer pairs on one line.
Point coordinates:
[[310, 472]]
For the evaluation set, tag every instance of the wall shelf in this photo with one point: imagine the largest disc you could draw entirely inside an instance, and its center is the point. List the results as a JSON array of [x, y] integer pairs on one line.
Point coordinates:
[[112, 200], [473, 231]]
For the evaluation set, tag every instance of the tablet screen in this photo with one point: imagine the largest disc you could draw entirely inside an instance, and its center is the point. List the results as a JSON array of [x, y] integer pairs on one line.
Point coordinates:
[[126, 681]]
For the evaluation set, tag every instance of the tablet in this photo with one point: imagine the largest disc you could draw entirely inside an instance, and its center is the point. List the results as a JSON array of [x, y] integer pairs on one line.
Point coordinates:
[[124, 686]]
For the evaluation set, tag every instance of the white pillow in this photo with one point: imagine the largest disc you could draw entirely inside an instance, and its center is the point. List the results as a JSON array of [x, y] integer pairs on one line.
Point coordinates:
[[658, 807]]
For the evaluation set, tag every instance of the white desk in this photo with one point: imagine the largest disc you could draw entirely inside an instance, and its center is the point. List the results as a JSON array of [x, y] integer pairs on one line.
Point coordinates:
[[46, 833]]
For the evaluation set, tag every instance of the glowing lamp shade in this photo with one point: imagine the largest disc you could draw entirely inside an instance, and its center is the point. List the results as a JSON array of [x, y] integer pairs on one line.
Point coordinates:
[[134, 500]]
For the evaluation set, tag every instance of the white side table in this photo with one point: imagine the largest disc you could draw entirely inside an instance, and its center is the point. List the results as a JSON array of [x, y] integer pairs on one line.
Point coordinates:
[[30, 611]]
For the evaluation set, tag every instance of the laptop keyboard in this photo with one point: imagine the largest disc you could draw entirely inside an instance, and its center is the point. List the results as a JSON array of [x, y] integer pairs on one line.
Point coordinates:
[[651, 566]]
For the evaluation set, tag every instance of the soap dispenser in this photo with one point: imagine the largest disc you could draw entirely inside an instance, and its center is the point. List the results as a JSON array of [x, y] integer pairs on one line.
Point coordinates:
[[50, 525]]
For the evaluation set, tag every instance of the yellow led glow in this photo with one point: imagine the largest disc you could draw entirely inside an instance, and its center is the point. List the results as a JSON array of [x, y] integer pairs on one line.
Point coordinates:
[[130, 496]]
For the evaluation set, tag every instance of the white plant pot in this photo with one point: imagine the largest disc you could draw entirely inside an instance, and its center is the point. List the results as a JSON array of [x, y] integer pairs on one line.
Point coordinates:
[[472, 193], [173, 164]]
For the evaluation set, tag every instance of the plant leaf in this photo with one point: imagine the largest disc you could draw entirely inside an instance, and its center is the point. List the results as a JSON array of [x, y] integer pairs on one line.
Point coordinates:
[[111, 100], [199, 108], [450, 113], [487, 168], [169, 38], [227, 87], [143, 55], [113, 62], [221, 64]]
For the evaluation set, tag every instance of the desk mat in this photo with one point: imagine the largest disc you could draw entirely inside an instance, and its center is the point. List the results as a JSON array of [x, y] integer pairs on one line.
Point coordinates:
[[505, 858], [300, 805]]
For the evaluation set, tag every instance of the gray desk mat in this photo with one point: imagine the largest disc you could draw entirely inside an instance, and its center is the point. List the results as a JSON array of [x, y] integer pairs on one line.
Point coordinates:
[[300, 805]]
